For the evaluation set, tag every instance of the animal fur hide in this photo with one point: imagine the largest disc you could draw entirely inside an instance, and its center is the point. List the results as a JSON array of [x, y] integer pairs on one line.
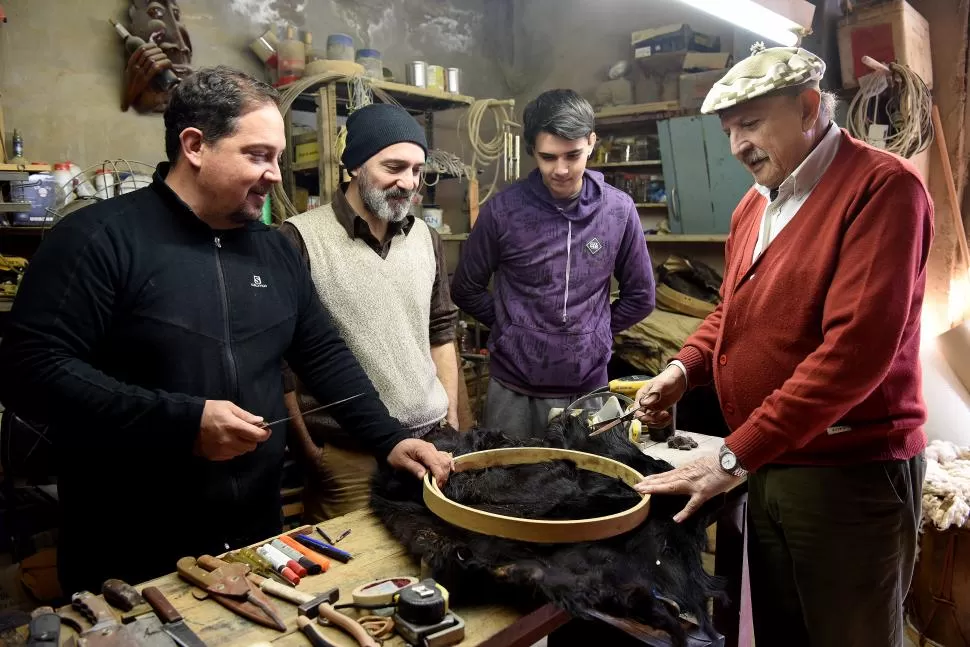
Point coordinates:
[[946, 485], [649, 575]]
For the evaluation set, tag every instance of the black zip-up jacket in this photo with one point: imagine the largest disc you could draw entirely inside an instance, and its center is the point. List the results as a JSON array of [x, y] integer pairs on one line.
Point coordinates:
[[134, 312]]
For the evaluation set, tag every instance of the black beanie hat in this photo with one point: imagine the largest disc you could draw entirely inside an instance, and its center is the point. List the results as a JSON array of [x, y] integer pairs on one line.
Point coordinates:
[[373, 128]]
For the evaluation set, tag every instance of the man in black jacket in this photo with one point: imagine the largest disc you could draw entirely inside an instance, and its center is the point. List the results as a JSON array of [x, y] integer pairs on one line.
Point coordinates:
[[149, 333]]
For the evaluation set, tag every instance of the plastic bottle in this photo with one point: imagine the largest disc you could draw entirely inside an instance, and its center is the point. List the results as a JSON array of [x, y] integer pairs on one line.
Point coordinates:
[[65, 183], [292, 58], [464, 340], [104, 180], [83, 186]]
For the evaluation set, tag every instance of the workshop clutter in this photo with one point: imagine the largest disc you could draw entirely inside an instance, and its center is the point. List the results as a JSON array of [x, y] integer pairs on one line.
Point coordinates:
[[288, 55], [676, 64]]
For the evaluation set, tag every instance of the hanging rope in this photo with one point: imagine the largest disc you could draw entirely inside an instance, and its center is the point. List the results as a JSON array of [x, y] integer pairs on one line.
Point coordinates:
[[906, 100], [490, 151]]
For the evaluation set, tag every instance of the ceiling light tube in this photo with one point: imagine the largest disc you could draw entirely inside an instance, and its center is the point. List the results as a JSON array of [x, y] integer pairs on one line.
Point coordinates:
[[754, 17]]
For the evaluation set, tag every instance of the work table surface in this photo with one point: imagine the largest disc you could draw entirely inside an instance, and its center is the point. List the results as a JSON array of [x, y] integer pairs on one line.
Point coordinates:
[[376, 556]]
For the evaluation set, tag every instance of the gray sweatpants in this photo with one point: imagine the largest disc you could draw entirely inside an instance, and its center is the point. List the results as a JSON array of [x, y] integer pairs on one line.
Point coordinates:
[[519, 416]]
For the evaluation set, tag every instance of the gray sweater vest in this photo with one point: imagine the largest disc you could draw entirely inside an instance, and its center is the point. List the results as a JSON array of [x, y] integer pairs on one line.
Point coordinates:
[[382, 308]]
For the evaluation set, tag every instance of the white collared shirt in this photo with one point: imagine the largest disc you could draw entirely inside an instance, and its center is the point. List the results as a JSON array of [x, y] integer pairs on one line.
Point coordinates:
[[794, 191]]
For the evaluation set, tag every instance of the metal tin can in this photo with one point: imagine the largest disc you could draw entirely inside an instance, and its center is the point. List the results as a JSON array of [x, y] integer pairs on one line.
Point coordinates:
[[416, 74], [453, 80], [436, 78]]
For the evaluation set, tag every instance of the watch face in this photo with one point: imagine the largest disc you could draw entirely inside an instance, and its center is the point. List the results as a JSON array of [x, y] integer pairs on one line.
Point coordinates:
[[729, 461]]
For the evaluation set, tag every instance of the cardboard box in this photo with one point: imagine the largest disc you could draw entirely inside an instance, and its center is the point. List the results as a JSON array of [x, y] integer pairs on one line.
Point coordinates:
[[693, 88], [308, 152], [658, 76], [673, 38], [891, 32]]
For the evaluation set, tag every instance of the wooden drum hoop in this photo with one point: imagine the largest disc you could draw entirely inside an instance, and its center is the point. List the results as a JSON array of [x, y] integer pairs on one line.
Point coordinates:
[[537, 530]]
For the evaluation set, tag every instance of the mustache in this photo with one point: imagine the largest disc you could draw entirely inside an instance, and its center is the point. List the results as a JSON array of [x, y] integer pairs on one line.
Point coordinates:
[[755, 156], [398, 194]]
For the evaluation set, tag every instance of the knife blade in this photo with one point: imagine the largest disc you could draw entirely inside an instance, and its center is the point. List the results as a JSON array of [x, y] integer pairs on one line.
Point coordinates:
[[172, 621], [313, 410]]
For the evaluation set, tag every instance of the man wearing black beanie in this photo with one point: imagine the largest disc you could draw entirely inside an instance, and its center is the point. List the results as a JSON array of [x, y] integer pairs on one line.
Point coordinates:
[[381, 274]]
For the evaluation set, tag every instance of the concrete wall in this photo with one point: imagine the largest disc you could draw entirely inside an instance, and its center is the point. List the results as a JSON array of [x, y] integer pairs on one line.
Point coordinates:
[[61, 64]]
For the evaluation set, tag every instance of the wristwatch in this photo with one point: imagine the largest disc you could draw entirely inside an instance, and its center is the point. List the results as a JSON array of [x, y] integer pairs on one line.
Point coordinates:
[[729, 462]]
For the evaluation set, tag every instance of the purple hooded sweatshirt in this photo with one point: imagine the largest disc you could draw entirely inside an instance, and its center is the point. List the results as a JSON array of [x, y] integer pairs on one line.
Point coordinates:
[[550, 317]]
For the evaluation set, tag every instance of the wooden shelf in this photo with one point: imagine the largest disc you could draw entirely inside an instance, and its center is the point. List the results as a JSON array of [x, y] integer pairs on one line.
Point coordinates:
[[640, 112], [650, 205], [302, 167], [29, 168], [14, 230], [686, 238], [416, 100], [625, 164], [15, 207], [453, 237]]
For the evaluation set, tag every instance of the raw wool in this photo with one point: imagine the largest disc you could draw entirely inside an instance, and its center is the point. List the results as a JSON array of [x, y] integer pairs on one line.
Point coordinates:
[[650, 575], [946, 486]]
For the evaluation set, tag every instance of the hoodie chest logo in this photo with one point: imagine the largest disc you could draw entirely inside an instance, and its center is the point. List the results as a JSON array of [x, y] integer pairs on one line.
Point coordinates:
[[594, 246]]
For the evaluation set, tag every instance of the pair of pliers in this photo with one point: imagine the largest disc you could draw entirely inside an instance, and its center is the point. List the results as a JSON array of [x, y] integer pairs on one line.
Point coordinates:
[[227, 584]]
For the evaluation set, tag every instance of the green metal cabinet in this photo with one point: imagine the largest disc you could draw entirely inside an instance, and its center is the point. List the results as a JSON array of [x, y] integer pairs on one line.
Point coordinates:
[[704, 183]]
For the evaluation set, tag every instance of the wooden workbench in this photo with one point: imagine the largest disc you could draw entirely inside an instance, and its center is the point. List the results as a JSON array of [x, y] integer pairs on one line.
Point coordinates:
[[377, 555]]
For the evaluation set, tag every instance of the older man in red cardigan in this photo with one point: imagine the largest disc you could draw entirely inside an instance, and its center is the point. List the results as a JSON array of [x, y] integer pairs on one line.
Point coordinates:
[[814, 352]]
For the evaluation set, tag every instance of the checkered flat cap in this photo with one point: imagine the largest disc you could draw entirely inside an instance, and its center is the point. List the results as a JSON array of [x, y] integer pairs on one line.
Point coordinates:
[[766, 70]]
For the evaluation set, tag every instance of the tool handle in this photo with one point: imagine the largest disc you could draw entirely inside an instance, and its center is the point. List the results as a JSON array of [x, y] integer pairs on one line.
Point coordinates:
[[190, 571], [285, 592], [210, 563], [351, 626], [157, 600], [313, 633], [121, 595], [93, 608]]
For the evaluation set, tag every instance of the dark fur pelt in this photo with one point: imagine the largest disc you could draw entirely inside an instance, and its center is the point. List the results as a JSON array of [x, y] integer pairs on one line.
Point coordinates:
[[637, 575]]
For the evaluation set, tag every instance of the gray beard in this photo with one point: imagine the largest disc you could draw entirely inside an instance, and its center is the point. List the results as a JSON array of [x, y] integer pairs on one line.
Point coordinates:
[[376, 201]]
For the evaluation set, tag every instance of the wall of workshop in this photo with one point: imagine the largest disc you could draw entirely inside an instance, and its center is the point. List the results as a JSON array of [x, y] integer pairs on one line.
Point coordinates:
[[572, 44], [61, 65]]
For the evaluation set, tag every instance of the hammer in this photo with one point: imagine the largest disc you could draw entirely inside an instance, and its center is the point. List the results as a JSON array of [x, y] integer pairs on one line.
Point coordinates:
[[319, 605]]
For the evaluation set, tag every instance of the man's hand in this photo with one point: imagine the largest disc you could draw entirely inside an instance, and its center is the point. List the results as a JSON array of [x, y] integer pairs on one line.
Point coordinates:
[[228, 431], [144, 65], [418, 456], [700, 479], [661, 393]]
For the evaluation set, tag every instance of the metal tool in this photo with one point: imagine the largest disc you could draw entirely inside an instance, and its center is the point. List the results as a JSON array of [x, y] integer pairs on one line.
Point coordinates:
[[313, 410], [598, 428], [122, 595], [105, 630], [44, 628], [227, 584], [256, 564], [172, 621]]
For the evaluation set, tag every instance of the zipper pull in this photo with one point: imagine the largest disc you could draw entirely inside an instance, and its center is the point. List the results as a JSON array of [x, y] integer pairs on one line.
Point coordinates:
[[218, 242]]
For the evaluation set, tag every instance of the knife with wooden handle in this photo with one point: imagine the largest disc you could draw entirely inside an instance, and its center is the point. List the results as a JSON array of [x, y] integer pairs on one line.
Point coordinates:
[[172, 621]]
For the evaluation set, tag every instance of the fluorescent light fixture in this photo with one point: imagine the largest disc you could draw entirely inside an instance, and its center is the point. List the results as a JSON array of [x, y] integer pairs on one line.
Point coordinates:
[[772, 19]]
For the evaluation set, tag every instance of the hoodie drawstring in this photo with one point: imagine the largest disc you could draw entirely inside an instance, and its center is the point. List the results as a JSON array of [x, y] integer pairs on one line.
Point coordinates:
[[569, 247]]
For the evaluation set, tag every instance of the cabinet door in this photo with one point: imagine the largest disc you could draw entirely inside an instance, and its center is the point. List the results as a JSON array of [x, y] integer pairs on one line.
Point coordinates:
[[684, 161], [729, 180]]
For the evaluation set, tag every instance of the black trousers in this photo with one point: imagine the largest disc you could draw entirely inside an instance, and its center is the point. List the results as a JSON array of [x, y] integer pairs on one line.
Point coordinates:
[[831, 552]]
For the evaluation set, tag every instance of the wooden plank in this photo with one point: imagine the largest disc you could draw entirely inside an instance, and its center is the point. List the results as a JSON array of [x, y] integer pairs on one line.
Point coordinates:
[[310, 165], [413, 92], [15, 207], [30, 168], [650, 205], [376, 555], [625, 164], [327, 140], [637, 109]]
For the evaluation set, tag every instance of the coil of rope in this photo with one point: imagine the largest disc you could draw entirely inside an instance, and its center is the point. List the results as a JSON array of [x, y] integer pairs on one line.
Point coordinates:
[[487, 152], [909, 106]]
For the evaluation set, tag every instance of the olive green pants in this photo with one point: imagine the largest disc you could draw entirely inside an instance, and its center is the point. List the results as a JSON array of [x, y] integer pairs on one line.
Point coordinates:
[[831, 552]]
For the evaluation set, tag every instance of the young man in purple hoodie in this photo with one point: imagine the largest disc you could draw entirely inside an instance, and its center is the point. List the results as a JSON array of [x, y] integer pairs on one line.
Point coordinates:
[[550, 243]]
